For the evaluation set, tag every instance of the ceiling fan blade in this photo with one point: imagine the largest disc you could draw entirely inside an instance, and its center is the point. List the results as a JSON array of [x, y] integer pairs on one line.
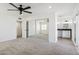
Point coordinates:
[[13, 5], [28, 12], [13, 10], [26, 8]]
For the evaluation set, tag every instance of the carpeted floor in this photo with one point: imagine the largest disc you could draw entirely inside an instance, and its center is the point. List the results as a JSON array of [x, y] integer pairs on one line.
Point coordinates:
[[35, 46]]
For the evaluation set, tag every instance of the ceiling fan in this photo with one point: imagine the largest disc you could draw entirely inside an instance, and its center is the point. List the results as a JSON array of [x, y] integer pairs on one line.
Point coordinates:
[[20, 9]]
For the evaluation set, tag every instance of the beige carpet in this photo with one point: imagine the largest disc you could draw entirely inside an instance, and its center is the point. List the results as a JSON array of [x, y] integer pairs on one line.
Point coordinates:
[[34, 46]]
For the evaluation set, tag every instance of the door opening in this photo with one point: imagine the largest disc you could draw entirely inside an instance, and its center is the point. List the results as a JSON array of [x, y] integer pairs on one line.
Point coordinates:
[[19, 29], [27, 28]]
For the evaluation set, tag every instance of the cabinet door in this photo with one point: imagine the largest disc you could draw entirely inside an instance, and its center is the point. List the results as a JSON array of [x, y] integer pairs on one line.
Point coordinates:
[[66, 34]]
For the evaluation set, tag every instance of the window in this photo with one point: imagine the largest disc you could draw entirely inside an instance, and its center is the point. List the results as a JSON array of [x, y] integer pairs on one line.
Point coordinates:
[[43, 27]]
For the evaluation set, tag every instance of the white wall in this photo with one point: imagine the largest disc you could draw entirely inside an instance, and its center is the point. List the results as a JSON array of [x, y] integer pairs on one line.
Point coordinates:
[[24, 28], [77, 30], [7, 28], [38, 27], [7, 24], [31, 28], [52, 29]]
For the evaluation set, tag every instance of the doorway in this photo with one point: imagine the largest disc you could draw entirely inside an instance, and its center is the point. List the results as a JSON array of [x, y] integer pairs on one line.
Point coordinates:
[[65, 30], [19, 29], [37, 29]]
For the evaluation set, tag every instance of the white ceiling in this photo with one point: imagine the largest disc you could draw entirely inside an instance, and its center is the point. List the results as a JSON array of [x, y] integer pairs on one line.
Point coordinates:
[[40, 8]]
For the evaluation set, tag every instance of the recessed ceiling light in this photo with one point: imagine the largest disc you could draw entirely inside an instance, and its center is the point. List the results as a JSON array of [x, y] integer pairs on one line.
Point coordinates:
[[50, 7]]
